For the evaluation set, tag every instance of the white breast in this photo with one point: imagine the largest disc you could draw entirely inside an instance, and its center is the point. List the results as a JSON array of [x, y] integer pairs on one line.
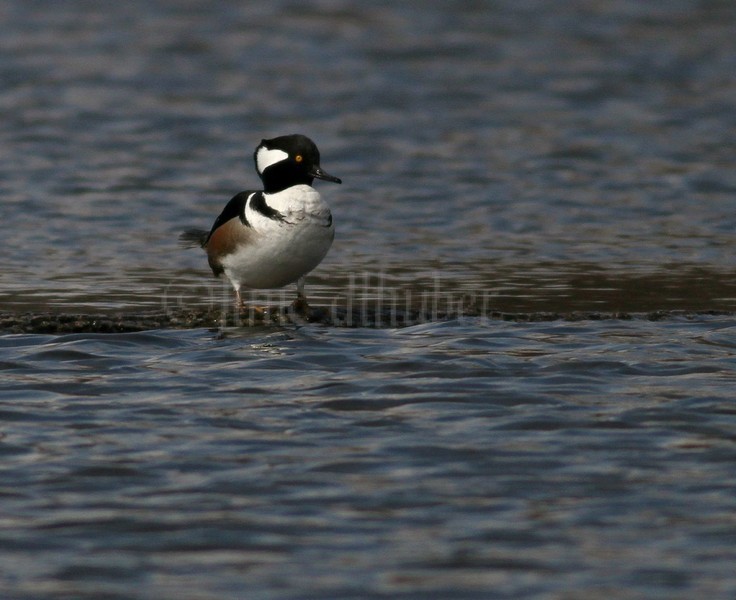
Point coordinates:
[[283, 251], [296, 204]]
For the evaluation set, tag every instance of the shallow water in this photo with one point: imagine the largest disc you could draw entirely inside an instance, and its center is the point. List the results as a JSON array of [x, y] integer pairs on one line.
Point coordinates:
[[521, 157]]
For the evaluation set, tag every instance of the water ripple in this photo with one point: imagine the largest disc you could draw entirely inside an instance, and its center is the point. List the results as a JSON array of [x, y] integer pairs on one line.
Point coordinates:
[[505, 157]]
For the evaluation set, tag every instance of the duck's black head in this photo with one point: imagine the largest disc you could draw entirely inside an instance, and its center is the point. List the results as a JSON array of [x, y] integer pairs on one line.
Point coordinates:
[[288, 160]]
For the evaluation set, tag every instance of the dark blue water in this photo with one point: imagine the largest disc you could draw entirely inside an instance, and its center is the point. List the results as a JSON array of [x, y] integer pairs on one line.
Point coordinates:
[[515, 157], [458, 459]]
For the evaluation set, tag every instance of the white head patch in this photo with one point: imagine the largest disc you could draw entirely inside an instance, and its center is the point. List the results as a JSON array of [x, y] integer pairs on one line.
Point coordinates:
[[265, 158]]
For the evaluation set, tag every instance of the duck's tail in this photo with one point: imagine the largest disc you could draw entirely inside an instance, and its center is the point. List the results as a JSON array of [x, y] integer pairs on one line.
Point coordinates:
[[193, 238]]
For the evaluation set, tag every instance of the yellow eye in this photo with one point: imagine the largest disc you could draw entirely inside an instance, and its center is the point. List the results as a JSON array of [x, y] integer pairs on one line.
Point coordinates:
[[298, 158]]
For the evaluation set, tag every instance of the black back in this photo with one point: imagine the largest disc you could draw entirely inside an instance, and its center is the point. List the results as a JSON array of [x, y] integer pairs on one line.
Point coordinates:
[[234, 208]]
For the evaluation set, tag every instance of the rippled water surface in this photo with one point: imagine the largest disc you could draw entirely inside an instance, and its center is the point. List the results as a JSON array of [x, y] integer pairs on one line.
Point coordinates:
[[521, 156], [457, 459], [570, 155]]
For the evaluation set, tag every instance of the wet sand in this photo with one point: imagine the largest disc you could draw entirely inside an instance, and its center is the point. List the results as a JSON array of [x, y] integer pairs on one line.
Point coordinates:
[[67, 322]]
